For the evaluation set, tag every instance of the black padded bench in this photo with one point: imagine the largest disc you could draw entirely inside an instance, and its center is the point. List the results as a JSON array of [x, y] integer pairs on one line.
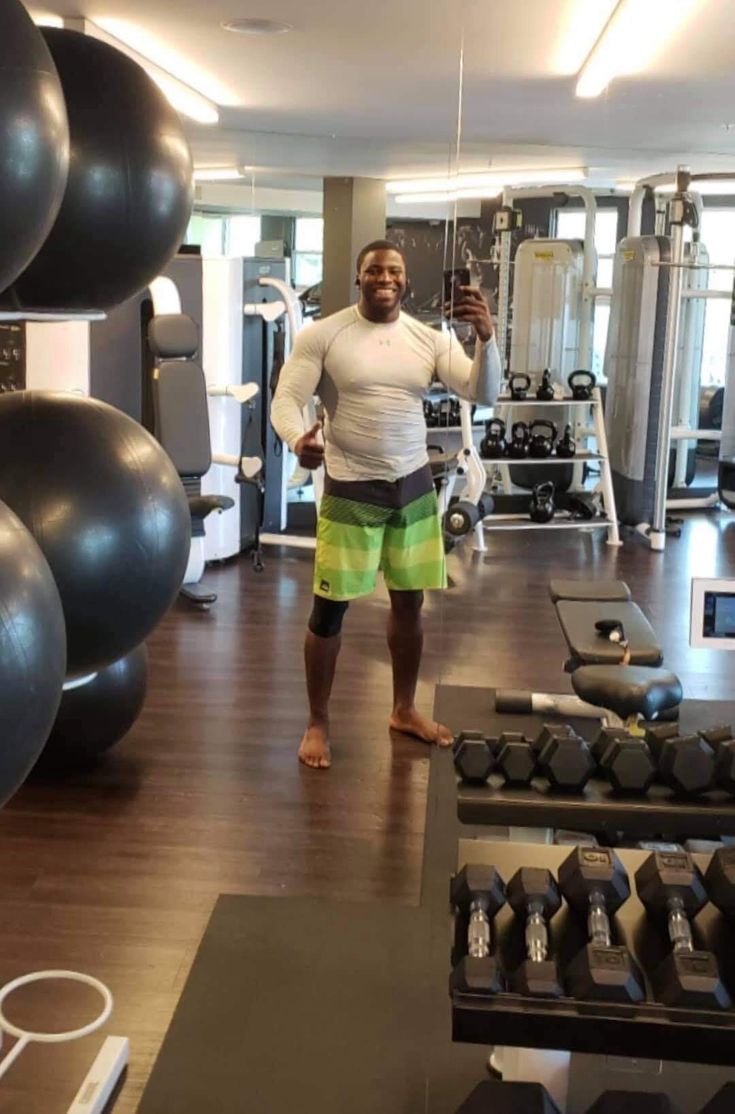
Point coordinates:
[[637, 688], [610, 680]]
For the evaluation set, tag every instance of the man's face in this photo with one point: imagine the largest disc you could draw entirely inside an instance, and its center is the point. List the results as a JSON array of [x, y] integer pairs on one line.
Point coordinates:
[[382, 281]]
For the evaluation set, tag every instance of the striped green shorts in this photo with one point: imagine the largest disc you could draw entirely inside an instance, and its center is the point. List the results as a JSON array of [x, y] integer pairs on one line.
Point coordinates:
[[378, 525]]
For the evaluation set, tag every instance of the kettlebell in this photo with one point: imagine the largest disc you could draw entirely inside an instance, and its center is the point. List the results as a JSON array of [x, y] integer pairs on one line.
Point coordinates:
[[541, 507], [493, 443], [581, 384], [518, 446], [545, 390], [542, 434], [566, 446], [519, 386]]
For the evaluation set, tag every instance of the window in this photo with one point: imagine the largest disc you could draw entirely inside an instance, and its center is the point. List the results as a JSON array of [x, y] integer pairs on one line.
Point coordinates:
[[243, 233], [208, 232], [308, 252], [718, 236], [570, 226]]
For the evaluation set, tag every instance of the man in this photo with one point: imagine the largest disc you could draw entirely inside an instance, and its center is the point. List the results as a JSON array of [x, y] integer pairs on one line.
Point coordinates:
[[371, 365]]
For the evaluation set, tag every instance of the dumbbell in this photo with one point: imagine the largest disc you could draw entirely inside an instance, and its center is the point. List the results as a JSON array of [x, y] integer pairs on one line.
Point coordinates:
[[474, 756], [564, 759], [508, 1098], [723, 1102], [632, 1102], [477, 892], [628, 765], [533, 894], [686, 763], [722, 742], [516, 760], [720, 880], [671, 888], [595, 884]]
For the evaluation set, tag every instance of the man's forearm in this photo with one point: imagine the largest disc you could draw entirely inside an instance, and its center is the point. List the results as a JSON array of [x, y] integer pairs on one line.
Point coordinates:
[[486, 373], [287, 418]]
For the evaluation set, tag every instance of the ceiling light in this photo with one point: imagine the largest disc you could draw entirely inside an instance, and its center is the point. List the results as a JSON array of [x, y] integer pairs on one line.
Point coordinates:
[[635, 33], [190, 90], [216, 173], [46, 19], [257, 27], [448, 195], [584, 22], [491, 184]]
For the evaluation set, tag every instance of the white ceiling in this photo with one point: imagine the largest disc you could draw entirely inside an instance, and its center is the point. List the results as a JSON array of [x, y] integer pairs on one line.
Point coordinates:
[[371, 88]]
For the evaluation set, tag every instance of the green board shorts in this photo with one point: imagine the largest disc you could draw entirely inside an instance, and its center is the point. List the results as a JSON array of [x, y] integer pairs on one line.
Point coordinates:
[[371, 526]]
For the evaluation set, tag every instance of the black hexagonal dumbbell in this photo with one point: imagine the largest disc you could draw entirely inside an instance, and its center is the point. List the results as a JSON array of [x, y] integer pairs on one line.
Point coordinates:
[[474, 756], [567, 763], [720, 880], [723, 1102], [687, 764], [671, 887], [629, 765], [605, 736], [534, 895], [508, 1098], [477, 892], [722, 742], [548, 732], [594, 883], [632, 1102], [516, 758]]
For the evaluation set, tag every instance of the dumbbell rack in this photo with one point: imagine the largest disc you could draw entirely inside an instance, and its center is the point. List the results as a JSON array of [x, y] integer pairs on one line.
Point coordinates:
[[650, 1029], [608, 520], [598, 808]]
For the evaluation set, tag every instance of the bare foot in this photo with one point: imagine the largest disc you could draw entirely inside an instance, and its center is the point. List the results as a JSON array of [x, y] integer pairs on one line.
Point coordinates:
[[411, 722], [314, 750]]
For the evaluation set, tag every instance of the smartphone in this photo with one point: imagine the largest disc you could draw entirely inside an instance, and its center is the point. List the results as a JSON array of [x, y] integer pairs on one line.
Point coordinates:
[[454, 277]]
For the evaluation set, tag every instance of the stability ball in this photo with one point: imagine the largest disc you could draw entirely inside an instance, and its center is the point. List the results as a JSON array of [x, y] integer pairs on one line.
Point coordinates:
[[34, 141], [129, 194], [94, 716], [106, 506], [32, 652]]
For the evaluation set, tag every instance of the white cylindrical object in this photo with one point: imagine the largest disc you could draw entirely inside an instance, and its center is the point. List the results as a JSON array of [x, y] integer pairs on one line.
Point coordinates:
[[222, 362], [666, 412]]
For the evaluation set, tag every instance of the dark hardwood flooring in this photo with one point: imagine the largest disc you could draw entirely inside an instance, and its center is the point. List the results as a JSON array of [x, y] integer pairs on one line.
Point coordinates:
[[115, 871]]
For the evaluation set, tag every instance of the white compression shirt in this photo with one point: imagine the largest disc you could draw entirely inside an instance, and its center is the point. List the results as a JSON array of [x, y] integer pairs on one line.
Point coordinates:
[[372, 379]]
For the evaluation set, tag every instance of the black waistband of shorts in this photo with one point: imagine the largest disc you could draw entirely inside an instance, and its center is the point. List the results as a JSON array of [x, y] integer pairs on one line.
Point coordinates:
[[383, 493]]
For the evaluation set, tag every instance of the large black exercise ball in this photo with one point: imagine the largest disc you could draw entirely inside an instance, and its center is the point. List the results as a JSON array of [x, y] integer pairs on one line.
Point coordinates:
[[32, 652], [108, 509], [129, 194], [96, 715], [34, 141]]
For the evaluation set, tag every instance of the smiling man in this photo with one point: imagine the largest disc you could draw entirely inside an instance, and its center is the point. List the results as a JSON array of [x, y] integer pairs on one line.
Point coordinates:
[[371, 365]]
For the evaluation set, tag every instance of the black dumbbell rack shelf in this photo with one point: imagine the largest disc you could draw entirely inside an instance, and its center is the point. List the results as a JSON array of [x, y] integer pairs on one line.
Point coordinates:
[[522, 522], [649, 1030], [598, 809], [524, 460], [506, 400]]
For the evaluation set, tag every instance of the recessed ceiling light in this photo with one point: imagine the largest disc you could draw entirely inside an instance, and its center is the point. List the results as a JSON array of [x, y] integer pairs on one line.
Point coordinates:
[[257, 27]]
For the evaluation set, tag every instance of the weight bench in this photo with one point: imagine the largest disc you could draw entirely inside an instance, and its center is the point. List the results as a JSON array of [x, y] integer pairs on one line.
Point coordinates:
[[615, 661]]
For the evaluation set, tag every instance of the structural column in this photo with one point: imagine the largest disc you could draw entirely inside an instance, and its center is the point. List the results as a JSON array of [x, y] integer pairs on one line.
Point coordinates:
[[354, 214]]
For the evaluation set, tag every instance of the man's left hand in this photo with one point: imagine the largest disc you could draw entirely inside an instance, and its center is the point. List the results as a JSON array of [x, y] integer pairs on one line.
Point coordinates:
[[472, 308]]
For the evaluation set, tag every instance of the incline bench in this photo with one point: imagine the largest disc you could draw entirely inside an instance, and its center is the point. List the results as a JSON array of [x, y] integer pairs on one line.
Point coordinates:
[[615, 660]]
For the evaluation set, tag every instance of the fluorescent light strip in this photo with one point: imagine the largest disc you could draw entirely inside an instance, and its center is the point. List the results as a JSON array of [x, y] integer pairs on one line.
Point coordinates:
[[722, 187], [216, 174], [189, 102], [635, 33], [491, 184]]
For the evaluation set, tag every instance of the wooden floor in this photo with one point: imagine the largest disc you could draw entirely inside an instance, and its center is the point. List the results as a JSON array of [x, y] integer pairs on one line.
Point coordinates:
[[115, 872]]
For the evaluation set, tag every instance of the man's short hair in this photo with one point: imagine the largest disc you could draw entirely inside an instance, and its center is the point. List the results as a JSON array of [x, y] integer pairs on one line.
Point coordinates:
[[378, 245]]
